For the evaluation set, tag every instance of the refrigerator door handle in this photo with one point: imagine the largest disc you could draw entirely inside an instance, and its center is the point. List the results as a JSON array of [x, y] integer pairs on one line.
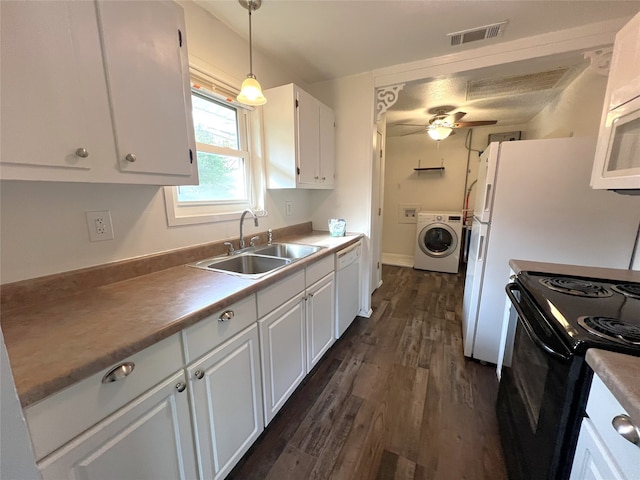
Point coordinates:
[[480, 248], [487, 197]]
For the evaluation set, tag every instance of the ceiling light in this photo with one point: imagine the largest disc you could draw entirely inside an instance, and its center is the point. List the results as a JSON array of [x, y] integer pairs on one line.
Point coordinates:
[[439, 133], [251, 91]]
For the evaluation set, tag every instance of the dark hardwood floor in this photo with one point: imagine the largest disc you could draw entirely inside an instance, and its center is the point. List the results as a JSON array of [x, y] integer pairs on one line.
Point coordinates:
[[393, 399]]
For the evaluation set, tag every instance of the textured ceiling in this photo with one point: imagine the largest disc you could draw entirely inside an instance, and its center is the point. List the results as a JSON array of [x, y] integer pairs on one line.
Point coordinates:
[[326, 39]]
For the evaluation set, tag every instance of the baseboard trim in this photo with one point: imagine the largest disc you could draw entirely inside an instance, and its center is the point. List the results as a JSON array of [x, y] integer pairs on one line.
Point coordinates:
[[398, 260]]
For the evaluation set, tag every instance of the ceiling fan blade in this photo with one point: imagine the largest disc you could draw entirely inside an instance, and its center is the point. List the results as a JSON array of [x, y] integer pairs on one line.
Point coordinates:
[[422, 130], [478, 123], [455, 117], [411, 125]]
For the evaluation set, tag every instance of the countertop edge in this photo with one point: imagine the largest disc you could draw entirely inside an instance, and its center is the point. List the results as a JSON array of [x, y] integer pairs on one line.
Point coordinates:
[[36, 391], [621, 374]]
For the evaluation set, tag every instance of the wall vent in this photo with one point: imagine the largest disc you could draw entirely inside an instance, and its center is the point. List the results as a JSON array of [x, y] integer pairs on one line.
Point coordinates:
[[478, 33]]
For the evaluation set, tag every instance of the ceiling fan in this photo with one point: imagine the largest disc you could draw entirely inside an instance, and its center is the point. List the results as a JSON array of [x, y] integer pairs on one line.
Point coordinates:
[[442, 123]]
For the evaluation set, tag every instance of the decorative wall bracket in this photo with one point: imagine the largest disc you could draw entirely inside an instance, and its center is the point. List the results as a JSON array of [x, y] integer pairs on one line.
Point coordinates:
[[600, 59], [386, 97]]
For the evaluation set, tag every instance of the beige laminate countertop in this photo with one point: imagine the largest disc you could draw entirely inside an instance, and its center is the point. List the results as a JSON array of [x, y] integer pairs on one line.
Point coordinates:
[[57, 343], [619, 372]]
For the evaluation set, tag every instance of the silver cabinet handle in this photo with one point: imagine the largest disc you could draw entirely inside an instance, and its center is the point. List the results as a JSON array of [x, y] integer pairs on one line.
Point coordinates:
[[118, 372], [227, 315], [180, 386], [82, 152], [199, 374], [130, 157], [626, 428]]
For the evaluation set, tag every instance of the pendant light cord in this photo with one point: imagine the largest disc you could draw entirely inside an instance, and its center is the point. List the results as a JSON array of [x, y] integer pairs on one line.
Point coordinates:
[[250, 41]]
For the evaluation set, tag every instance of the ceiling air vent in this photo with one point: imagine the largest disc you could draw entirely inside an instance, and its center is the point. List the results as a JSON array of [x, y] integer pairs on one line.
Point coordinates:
[[515, 85], [478, 33]]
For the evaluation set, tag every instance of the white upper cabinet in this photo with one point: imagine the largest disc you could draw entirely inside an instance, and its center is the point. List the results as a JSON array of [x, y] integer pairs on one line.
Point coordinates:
[[617, 160], [299, 139], [54, 96], [145, 55], [96, 92]]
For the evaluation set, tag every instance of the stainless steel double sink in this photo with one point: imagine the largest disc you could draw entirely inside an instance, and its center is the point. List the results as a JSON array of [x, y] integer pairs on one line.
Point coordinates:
[[257, 261]]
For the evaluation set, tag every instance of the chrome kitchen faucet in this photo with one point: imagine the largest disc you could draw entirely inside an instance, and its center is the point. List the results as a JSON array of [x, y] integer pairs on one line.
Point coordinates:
[[255, 222]]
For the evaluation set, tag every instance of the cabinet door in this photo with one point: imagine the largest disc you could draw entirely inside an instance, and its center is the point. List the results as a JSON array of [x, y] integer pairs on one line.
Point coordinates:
[[53, 96], [150, 438], [327, 147], [308, 114], [227, 403], [592, 460], [147, 68], [320, 319], [282, 348]]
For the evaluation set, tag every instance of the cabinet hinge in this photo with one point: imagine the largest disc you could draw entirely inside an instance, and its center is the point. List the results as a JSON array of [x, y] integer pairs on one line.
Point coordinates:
[[297, 103], [298, 170], [378, 266], [379, 211], [180, 37], [191, 156]]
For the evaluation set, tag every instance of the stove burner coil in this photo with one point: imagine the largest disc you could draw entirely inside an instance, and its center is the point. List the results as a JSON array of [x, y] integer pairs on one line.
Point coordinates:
[[631, 290], [612, 329], [576, 286]]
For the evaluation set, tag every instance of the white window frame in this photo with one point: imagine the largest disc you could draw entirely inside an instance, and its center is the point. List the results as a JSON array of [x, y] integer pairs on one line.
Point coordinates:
[[248, 122]]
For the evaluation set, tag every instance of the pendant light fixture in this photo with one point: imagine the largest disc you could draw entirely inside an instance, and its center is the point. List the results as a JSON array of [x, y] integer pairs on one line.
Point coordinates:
[[251, 91]]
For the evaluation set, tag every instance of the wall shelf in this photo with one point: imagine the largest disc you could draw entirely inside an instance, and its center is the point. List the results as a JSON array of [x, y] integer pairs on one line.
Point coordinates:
[[420, 168]]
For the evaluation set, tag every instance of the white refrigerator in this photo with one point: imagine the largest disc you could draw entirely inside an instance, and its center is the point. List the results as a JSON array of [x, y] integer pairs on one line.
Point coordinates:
[[534, 202]]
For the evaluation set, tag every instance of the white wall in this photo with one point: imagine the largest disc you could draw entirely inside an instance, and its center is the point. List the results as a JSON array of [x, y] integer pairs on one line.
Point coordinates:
[[576, 112], [43, 227], [352, 99]]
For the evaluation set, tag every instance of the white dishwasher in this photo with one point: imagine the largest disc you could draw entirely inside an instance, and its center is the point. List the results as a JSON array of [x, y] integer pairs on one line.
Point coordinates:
[[347, 286]]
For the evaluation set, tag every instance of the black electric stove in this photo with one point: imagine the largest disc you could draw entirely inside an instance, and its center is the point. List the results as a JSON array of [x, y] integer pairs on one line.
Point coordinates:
[[545, 384], [588, 313]]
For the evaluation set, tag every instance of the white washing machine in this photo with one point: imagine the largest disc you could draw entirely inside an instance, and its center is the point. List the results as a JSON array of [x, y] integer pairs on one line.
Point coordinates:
[[438, 241]]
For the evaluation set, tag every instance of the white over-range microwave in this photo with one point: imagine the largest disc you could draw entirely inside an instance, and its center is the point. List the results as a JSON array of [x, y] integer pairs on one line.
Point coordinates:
[[617, 160]]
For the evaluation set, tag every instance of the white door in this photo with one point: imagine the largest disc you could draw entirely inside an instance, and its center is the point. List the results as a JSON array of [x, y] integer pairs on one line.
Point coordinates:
[[320, 319], [592, 460], [308, 120], [473, 283], [283, 353], [41, 89], [327, 146], [377, 202], [145, 44], [148, 439], [227, 402]]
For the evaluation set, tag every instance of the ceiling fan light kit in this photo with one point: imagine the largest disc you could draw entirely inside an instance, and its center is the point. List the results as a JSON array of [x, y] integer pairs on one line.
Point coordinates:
[[251, 91], [439, 132], [442, 124]]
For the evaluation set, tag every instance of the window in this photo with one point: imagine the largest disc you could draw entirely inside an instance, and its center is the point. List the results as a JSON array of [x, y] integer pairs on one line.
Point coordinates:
[[222, 153], [228, 183]]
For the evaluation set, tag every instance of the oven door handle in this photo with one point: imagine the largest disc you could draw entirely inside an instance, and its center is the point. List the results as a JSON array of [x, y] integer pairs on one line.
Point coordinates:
[[535, 338]]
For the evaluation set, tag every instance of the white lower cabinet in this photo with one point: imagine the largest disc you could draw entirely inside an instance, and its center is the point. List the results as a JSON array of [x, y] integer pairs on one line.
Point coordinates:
[[320, 307], [592, 460], [602, 452], [283, 352], [150, 438], [226, 403]]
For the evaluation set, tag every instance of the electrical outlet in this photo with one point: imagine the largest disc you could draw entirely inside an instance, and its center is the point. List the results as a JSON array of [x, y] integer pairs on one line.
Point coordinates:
[[100, 226], [288, 207]]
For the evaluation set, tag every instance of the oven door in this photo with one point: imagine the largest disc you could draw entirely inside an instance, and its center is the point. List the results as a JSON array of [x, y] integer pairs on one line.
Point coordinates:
[[541, 397]]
